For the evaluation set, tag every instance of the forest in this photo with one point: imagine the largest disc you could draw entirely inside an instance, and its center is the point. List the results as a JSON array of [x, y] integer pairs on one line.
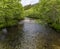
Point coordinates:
[[11, 12]]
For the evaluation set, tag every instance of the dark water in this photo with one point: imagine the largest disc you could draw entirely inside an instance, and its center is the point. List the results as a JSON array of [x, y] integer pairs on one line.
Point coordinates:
[[29, 35]]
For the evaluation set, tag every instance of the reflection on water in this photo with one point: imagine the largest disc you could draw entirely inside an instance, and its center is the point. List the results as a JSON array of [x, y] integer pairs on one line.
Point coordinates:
[[29, 35]]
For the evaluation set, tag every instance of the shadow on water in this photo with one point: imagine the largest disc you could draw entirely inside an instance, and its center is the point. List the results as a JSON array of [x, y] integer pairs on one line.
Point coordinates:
[[29, 35]]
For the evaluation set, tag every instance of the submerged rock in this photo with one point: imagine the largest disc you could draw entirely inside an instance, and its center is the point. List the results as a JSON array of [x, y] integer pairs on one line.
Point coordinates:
[[4, 31]]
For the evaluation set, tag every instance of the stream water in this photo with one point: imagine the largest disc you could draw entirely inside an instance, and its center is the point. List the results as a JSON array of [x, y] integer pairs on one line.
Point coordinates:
[[29, 35]]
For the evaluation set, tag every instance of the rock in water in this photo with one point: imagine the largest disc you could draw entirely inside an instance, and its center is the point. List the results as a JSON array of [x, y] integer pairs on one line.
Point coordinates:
[[4, 31]]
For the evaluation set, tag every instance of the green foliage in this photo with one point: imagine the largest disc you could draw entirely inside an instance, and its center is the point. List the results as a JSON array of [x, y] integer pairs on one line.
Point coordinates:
[[30, 11], [49, 11], [10, 12]]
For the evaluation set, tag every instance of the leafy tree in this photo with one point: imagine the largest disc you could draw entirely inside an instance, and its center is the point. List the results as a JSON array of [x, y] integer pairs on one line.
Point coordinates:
[[49, 11], [10, 12]]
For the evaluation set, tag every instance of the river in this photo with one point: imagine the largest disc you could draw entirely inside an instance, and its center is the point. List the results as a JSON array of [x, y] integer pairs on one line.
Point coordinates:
[[29, 35]]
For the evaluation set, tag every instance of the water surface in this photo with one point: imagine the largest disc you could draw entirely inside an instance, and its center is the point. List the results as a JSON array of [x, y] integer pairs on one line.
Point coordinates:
[[29, 35]]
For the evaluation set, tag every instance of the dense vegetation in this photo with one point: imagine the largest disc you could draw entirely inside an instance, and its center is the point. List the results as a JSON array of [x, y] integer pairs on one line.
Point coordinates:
[[10, 12], [49, 11], [46, 10]]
